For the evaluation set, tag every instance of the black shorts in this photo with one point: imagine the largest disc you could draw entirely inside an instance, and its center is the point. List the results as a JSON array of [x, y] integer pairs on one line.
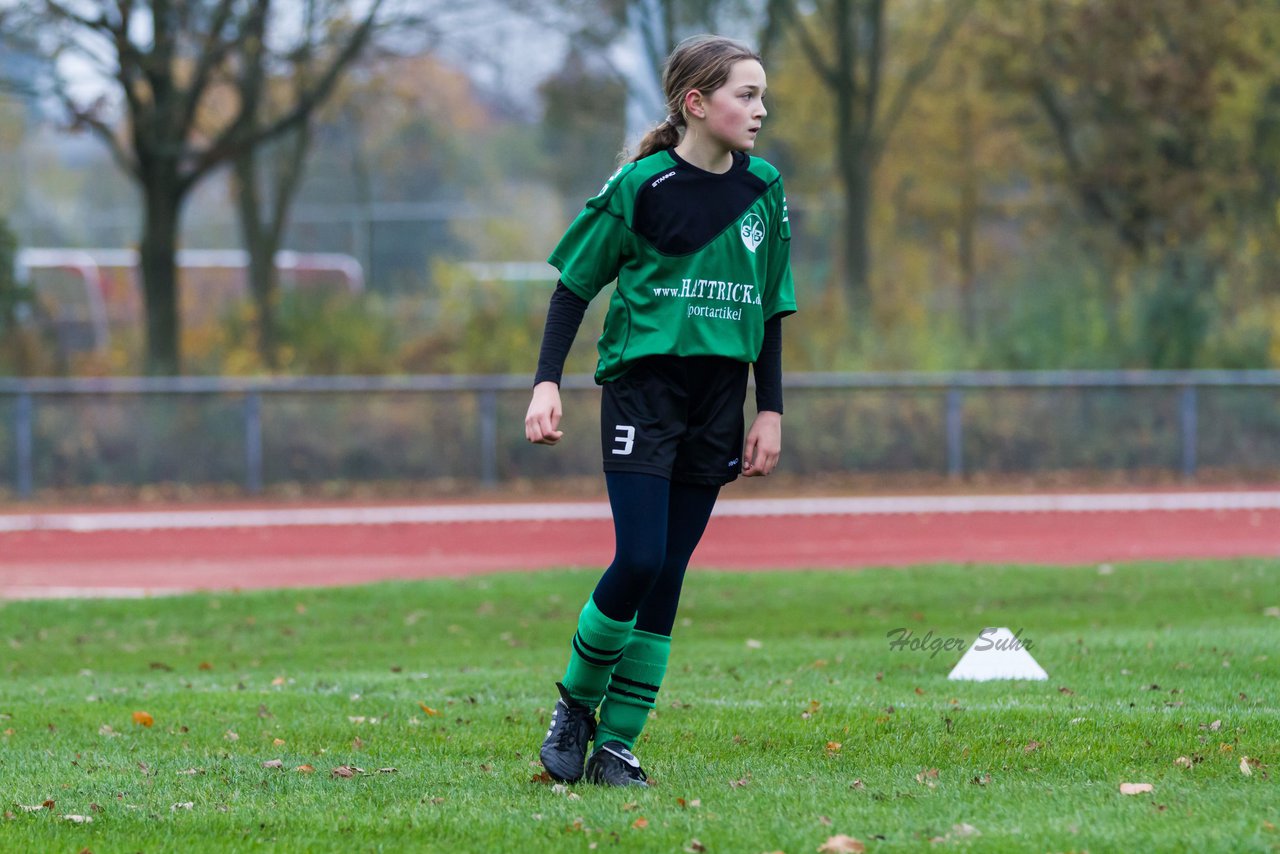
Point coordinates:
[[676, 417]]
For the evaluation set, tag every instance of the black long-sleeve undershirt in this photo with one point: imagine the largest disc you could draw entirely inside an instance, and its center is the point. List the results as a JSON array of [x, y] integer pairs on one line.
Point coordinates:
[[768, 368], [564, 317]]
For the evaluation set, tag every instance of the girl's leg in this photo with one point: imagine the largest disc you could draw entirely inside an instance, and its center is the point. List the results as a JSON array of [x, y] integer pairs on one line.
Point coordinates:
[[633, 688], [640, 504]]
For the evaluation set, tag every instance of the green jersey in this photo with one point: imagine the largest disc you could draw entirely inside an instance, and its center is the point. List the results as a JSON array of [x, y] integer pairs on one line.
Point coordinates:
[[701, 259]]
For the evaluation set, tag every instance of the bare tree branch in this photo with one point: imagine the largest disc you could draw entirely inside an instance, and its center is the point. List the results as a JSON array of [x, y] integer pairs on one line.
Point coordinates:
[[242, 134], [789, 17], [957, 11]]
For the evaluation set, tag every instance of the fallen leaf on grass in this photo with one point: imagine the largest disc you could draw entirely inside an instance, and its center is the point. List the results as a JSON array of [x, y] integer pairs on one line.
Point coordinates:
[[277, 742], [388, 771], [841, 844], [1032, 747], [641, 823], [1136, 788], [690, 804], [833, 747], [695, 847], [543, 778], [1244, 766], [927, 776], [1182, 762], [740, 782], [273, 763], [963, 830], [191, 772], [428, 709], [857, 784], [79, 819], [143, 719], [231, 736], [344, 771], [184, 805], [305, 769], [752, 643]]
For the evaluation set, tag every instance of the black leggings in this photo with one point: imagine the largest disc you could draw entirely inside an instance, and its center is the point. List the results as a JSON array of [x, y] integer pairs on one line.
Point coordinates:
[[657, 524]]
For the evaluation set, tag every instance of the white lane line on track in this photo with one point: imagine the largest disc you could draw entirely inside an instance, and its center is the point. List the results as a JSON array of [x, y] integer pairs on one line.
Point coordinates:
[[147, 520], [33, 592]]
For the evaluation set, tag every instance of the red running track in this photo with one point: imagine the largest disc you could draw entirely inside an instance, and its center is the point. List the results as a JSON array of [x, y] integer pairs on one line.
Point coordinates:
[[55, 562]]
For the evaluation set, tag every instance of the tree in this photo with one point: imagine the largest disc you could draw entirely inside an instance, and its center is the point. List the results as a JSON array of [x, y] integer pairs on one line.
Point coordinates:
[[847, 44], [1132, 100], [9, 296], [164, 60], [327, 37], [582, 127]]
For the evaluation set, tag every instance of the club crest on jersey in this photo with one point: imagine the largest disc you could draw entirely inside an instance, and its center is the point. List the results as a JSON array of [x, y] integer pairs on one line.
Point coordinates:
[[752, 232]]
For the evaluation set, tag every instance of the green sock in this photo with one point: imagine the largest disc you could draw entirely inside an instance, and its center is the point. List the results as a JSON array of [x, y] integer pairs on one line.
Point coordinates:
[[597, 647], [633, 690]]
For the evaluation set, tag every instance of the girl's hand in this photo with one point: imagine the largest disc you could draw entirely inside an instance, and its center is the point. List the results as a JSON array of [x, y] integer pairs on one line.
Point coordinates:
[[764, 444], [542, 421]]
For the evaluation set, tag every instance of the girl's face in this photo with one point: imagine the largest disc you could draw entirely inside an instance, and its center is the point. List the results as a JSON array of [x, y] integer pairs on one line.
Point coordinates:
[[733, 113]]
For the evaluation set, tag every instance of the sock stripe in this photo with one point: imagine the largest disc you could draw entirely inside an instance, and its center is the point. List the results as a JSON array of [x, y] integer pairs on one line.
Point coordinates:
[[619, 678], [613, 689], [591, 659], [577, 636]]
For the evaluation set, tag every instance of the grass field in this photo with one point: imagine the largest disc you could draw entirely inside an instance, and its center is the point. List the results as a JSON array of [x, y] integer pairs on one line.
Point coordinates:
[[786, 719]]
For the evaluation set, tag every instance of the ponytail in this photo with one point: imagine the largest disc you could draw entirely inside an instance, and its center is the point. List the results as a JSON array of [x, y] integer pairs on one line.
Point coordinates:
[[661, 137]]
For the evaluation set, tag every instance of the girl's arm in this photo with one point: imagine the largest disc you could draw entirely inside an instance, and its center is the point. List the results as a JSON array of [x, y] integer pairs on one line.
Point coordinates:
[[764, 439], [564, 316]]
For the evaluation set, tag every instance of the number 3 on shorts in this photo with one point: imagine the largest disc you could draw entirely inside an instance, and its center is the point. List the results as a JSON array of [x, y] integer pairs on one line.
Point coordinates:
[[626, 439]]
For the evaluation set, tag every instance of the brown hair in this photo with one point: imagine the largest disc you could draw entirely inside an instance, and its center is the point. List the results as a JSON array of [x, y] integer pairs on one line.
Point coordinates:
[[699, 62]]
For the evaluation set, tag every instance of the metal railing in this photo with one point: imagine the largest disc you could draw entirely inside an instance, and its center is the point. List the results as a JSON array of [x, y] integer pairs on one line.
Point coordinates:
[[486, 444]]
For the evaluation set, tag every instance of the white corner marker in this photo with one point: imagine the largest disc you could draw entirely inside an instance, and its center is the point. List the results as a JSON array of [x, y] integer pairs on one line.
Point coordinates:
[[997, 654]]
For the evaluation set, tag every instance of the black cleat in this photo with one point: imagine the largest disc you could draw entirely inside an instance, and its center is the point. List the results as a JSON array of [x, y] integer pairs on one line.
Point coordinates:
[[613, 765], [573, 725]]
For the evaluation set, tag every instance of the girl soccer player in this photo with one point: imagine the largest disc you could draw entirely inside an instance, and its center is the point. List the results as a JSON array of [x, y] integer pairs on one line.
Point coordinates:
[[695, 232]]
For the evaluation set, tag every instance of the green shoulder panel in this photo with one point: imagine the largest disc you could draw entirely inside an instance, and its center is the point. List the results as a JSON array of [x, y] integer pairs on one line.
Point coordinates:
[[601, 200], [763, 169]]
